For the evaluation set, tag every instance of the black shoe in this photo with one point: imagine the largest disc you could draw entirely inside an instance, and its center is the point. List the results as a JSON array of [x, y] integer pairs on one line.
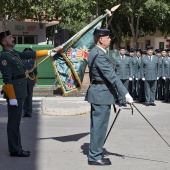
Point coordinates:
[[26, 115], [120, 105], [124, 104], [27, 151], [101, 162], [166, 101], [141, 101], [152, 104], [146, 104], [20, 154]]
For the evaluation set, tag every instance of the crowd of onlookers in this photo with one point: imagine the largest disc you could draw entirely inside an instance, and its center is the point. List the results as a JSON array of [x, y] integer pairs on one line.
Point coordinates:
[[145, 73]]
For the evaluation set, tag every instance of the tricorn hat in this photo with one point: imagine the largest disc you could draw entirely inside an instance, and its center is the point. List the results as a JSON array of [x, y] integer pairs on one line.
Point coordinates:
[[149, 47], [121, 48], [4, 34], [163, 50], [138, 50], [101, 32], [131, 50], [143, 52], [158, 51]]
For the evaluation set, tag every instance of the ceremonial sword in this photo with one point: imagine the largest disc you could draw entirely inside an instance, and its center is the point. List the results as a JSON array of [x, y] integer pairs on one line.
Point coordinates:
[[151, 124], [132, 114]]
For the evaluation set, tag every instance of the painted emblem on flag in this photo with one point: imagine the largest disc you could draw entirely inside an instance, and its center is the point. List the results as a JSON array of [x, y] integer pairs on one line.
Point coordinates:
[[4, 62]]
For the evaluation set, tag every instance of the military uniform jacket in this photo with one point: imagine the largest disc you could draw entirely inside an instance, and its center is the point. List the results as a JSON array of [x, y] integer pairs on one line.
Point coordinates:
[[166, 67], [123, 67], [134, 66], [103, 70], [160, 59], [149, 69], [138, 72], [29, 64], [11, 65]]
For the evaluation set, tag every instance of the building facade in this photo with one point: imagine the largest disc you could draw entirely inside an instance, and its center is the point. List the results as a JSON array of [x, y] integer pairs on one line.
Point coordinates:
[[26, 32]]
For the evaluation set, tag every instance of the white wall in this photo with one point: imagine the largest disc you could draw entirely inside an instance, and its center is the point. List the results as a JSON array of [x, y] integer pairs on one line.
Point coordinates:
[[26, 28]]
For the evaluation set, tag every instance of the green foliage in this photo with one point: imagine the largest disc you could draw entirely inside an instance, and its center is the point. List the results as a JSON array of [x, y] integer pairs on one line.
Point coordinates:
[[133, 18]]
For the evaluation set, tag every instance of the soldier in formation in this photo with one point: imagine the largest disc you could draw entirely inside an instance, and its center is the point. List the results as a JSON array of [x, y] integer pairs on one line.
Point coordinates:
[[145, 73]]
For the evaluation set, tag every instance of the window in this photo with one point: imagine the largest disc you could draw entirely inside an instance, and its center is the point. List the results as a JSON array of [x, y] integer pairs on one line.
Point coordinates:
[[147, 42], [25, 39], [161, 45], [29, 40]]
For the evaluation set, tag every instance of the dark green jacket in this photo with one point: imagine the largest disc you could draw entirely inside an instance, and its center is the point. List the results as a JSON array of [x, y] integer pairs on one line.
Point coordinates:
[[11, 65], [103, 70], [150, 69], [123, 67]]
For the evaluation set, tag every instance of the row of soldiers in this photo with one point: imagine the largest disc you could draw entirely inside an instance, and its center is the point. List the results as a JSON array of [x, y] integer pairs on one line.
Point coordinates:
[[145, 73]]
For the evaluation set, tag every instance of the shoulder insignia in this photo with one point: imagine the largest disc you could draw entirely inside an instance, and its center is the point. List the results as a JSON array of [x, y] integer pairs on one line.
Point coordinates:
[[4, 62]]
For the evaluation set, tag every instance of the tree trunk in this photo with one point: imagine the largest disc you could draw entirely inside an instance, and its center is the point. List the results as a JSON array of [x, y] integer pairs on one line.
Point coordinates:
[[117, 35], [135, 32]]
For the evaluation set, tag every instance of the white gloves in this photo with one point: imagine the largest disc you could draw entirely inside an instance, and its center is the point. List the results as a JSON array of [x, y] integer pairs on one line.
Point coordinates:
[[130, 79], [136, 78], [143, 79], [157, 78], [13, 102], [54, 51], [129, 99], [164, 78], [35, 85], [51, 53]]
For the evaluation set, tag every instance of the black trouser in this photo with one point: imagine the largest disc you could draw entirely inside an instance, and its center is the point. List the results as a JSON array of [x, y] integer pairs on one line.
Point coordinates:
[[28, 100], [13, 126], [167, 89], [141, 90], [122, 98], [161, 88]]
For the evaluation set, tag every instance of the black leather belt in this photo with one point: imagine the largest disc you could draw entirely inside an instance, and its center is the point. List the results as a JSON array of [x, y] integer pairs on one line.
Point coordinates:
[[98, 82], [18, 76]]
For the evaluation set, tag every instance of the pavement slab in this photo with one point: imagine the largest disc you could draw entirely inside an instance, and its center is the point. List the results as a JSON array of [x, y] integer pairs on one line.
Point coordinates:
[[60, 142]]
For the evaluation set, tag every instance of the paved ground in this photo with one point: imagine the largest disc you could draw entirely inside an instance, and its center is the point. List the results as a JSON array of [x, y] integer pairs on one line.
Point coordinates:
[[61, 142]]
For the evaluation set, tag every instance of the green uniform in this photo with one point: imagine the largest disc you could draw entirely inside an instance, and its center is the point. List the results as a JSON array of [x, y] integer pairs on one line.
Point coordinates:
[[160, 82], [13, 72], [101, 96], [123, 69], [140, 83], [133, 83], [166, 74], [150, 71]]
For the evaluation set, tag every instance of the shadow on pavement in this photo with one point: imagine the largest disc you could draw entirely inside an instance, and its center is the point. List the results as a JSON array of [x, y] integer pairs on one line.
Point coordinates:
[[68, 138], [85, 150]]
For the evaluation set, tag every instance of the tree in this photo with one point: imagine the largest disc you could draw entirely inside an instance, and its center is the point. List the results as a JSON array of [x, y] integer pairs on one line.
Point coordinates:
[[134, 18], [73, 14]]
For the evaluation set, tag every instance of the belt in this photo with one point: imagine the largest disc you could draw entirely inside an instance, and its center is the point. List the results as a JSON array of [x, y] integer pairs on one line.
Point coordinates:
[[18, 76], [98, 82]]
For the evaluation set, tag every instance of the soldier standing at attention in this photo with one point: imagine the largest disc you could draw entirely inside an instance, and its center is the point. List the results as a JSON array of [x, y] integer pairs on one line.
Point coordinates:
[[15, 88], [160, 81], [133, 83], [31, 82], [100, 94], [166, 75], [143, 53], [150, 74], [140, 83], [123, 69]]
